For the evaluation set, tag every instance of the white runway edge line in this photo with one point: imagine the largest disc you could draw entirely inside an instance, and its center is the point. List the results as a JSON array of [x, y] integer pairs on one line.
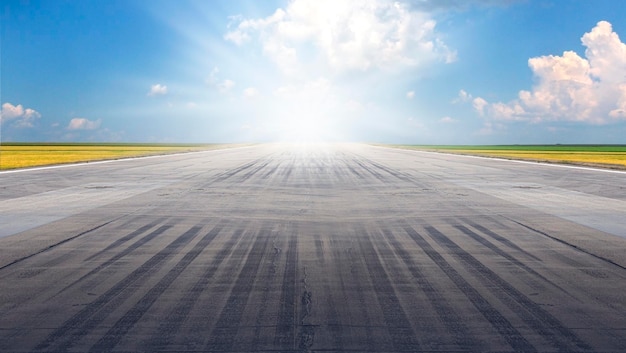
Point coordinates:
[[519, 161], [87, 163]]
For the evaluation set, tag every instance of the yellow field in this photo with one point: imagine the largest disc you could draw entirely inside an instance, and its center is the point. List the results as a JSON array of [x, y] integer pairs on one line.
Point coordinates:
[[24, 155], [612, 159], [603, 156]]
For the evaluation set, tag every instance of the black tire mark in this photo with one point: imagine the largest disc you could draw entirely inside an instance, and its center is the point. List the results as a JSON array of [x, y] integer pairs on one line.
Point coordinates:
[[512, 336], [223, 334], [150, 236], [287, 174], [358, 289], [112, 337], [565, 243], [50, 247], [122, 240], [451, 320], [171, 326], [271, 171], [319, 248], [286, 323], [354, 171], [501, 239], [396, 174], [373, 172], [334, 321], [233, 172], [91, 315], [530, 312], [73, 252], [398, 326], [252, 172], [269, 278], [507, 256]]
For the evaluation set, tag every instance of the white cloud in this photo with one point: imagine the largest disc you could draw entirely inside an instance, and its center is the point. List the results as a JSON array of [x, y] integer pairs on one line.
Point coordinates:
[[344, 35], [462, 97], [83, 124], [22, 117], [157, 90], [225, 86], [410, 94], [571, 88], [447, 120], [250, 93], [222, 85], [479, 104]]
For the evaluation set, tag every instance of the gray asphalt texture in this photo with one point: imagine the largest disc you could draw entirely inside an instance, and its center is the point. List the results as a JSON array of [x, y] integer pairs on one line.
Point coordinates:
[[303, 248]]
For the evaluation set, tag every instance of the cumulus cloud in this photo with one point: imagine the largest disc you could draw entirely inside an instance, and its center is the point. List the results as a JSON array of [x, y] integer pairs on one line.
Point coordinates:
[[447, 120], [250, 93], [463, 96], [21, 117], [83, 124], [222, 86], [410, 94], [431, 5], [345, 35], [157, 90], [569, 87], [225, 86]]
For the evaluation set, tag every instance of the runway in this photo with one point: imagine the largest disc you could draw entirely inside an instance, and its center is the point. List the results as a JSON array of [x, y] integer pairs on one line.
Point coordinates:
[[312, 248]]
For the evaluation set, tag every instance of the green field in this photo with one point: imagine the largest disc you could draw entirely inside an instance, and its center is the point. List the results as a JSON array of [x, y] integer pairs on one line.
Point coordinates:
[[606, 156], [22, 155]]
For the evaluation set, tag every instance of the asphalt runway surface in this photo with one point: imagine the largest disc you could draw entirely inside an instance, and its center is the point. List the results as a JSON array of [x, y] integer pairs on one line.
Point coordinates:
[[303, 248]]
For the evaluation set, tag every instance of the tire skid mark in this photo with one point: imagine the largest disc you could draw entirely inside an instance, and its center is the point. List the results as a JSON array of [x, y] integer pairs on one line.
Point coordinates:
[[50, 247], [396, 174], [223, 334], [81, 323], [369, 337], [319, 248], [203, 321], [371, 171], [568, 244], [269, 278], [147, 238], [255, 170], [168, 329], [484, 242], [112, 337], [398, 326], [287, 174], [501, 239], [122, 240], [512, 336], [331, 311], [530, 312], [78, 251], [451, 320], [271, 171], [286, 322], [233, 172]]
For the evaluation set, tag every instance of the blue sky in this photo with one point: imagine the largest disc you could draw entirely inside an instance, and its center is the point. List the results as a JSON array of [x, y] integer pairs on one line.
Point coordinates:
[[419, 71]]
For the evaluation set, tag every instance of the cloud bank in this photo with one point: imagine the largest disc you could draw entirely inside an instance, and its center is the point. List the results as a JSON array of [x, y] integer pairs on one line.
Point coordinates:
[[344, 35], [569, 88], [83, 124], [21, 117]]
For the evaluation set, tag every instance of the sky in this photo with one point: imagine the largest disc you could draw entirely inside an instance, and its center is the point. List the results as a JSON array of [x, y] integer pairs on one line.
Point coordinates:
[[405, 71]]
